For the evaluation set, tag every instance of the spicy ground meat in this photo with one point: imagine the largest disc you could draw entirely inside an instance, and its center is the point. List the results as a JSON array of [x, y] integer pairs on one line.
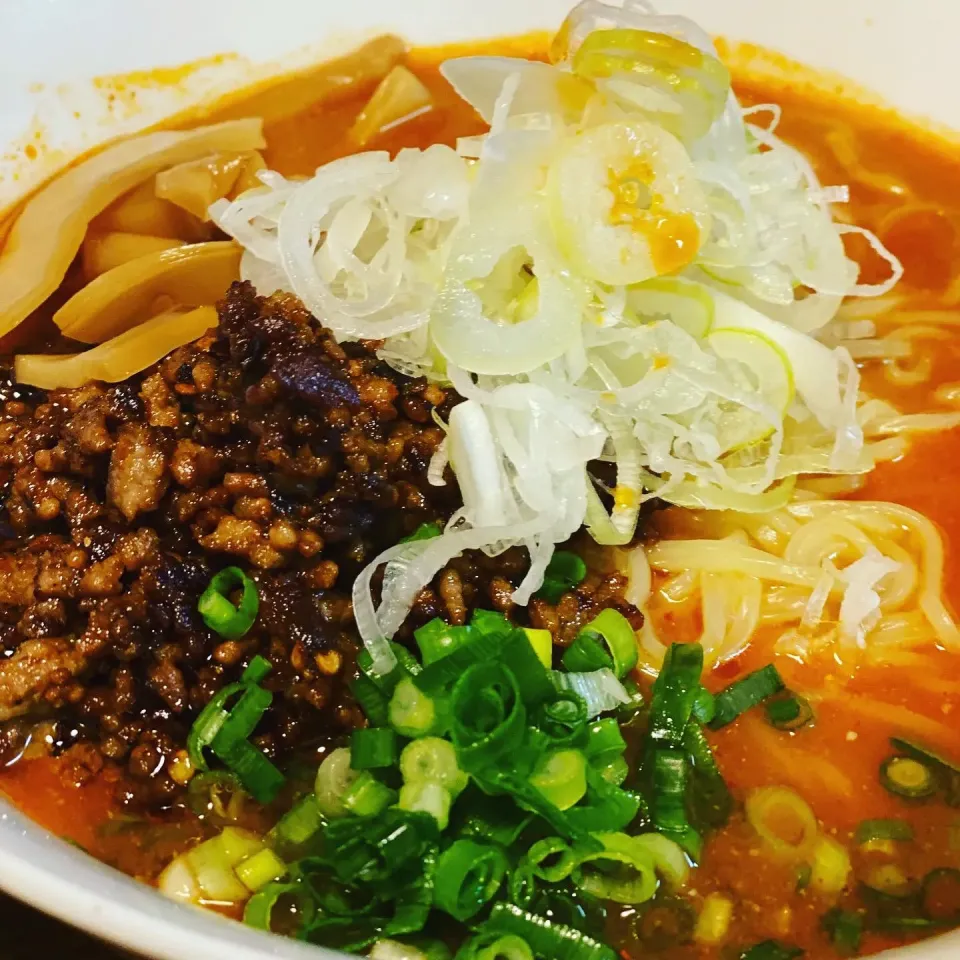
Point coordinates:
[[266, 445]]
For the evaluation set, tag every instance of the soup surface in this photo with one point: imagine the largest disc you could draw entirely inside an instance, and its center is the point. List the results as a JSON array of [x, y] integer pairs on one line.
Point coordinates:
[[900, 880]]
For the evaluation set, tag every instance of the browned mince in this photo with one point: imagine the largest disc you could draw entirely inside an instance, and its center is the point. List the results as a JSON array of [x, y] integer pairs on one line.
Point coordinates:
[[266, 445]]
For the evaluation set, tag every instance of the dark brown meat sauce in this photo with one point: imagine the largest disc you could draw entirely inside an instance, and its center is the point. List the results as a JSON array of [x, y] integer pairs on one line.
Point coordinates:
[[268, 446]]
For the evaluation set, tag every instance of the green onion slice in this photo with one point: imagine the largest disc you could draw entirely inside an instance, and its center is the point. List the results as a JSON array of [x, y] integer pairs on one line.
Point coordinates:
[[605, 807], [704, 706], [219, 614], [414, 902], [468, 876], [373, 748], [620, 638], [675, 693], [426, 531], [604, 741], [208, 724], [551, 859], [367, 796], [487, 714], [563, 718], [258, 912], [788, 711], [905, 776], [260, 778], [668, 806], [564, 572], [299, 824], [771, 950], [413, 713], [438, 638], [710, 799], [242, 720], [561, 776], [870, 830], [433, 760], [546, 939], [748, 692], [622, 870]]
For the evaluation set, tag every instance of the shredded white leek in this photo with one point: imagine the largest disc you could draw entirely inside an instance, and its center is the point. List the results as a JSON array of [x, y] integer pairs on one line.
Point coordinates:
[[623, 268]]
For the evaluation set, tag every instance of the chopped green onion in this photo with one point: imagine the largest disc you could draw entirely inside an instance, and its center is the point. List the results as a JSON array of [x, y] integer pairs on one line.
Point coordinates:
[[508, 947], [561, 777], [415, 901], [412, 713], [845, 929], [616, 631], [219, 614], [542, 643], [260, 778], [468, 876], [208, 724], [907, 777], [216, 794], [533, 678], [788, 711], [564, 572], [438, 638], [940, 895], [426, 531], [921, 752], [482, 646], [367, 796], [370, 699], [491, 818], [604, 741], [373, 748], [334, 778], [213, 864], [614, 772], [488, 717], [586, 654], [571, 907], [804, 874], [521, 884], [490, 622], [710, 799], [626, 711], [704, 706], [605, 807], [563, 718], [262, 868], [748, 692], [407, 665], [256, 670], [259, 910], [300, 823], [675, 693], [771, 950], [366, 850], [870, 830], [242, 720], [545, 938], [433, 760], [425, 796], [551, 859], [632, 880], [668, 806]]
